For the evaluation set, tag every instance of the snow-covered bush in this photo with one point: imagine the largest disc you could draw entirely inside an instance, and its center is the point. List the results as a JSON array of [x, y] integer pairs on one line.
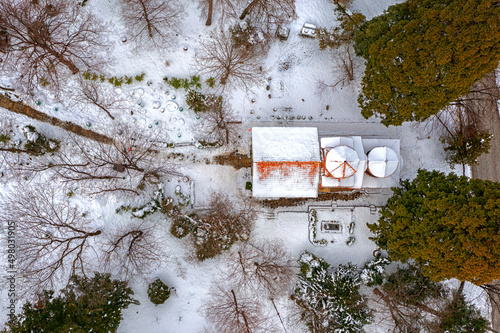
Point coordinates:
[[202, 144], [157, 202], [330, 299], [38, 144], [158, 292], [372, 273], [313, 219]]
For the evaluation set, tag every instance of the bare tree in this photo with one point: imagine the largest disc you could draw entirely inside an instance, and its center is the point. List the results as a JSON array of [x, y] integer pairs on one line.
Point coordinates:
[[132, 250], [53, 236], [47, 39], [225, 8], [346, 70], [265, 265], [128, 165], [92, 93], [218, 120], [152, 22], [229, 63], [268, 15], [460, 124], [231, 312], [222, 224]]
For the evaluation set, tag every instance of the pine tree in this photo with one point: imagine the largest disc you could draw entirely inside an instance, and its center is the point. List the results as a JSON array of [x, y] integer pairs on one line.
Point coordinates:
[[85, 305], [450, 225], [414, 303], [423, 54], [330, 300]]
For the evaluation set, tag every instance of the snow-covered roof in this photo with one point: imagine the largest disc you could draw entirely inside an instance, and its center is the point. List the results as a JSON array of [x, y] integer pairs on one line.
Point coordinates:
[[382, 162], [285, 179], [385, 162], [293, 144], [286, 162], [341, 162], [356, 181]]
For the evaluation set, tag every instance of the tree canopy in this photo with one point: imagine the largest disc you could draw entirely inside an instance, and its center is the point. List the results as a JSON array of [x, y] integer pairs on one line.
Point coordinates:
[[450, 225], [85, 305], [330, 298], [423, 54]]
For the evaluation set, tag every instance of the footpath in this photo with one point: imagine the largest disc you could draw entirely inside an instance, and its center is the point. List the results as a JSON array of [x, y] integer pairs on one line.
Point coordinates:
[[488, 166]]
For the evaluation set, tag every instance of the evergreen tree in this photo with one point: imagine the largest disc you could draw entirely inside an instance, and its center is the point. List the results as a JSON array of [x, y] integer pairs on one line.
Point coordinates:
[[449, 225], [158, 292], [345, 32], [85, 305], [423, 54], [414, 303], [458, 316], [330, 300]]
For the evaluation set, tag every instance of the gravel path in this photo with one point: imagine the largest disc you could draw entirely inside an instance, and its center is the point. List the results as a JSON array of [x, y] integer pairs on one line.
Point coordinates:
[[489, 164]]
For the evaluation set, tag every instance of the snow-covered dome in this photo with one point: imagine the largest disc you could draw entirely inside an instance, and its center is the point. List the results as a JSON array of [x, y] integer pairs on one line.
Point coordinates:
[[342, 162], [382, 162]]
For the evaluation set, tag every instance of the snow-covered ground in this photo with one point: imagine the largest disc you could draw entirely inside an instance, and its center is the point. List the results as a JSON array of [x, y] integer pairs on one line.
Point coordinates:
[[296, 68]]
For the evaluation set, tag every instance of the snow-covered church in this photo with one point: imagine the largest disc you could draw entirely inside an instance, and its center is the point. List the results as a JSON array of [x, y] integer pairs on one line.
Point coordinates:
[[294, 162]]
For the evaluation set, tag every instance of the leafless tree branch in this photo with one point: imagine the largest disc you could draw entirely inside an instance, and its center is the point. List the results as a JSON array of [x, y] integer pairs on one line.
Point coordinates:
[[232, 65], [48, 39], [53, 235], [152, 22]]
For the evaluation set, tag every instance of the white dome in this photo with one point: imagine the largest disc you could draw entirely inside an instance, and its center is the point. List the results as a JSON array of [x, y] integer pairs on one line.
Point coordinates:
[[382, 162], [342, 162]]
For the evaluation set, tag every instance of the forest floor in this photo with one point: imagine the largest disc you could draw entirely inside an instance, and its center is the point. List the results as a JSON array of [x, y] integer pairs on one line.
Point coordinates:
[[488, 166]]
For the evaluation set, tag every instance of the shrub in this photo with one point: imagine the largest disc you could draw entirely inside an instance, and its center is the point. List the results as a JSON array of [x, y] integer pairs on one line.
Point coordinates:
[[210, 82], [139, 78], [4, 138], [176, 83], [38, 144], [372, 273], [158, 292], [196, 101], [181, 227]]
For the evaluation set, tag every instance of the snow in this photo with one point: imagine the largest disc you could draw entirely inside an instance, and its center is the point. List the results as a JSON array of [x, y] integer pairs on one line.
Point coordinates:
[[285, 123], [280, 144]]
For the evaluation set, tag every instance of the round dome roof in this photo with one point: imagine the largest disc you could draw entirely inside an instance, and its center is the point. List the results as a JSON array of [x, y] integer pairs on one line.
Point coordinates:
[[382, 162], [342, 162]]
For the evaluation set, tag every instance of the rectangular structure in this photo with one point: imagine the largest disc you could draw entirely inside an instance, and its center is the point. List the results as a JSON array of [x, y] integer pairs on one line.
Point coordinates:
[[286, 162]]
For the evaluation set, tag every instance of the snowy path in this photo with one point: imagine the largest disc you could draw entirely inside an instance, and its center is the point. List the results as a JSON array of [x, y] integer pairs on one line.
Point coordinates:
[[488, 166]]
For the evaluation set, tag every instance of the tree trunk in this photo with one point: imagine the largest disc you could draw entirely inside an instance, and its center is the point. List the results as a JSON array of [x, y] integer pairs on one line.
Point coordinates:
[[246, 10], [210, 12], [66, 62], [146, 17]]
